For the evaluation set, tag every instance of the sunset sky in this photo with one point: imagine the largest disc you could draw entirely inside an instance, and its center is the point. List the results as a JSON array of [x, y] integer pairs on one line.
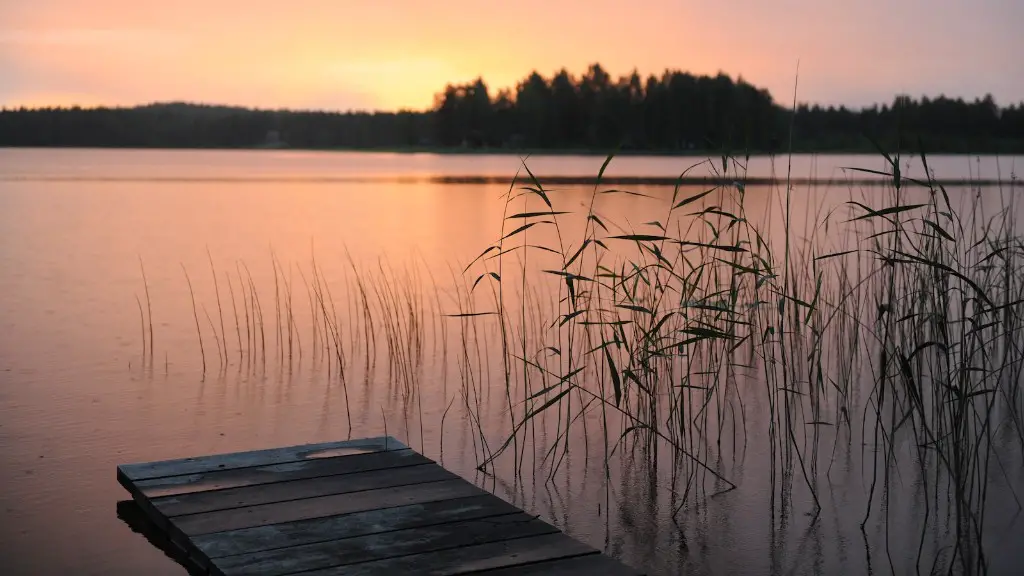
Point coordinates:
[[388, 54]]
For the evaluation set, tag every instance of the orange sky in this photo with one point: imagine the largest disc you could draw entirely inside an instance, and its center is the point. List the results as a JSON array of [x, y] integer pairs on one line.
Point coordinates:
[[387, 54]]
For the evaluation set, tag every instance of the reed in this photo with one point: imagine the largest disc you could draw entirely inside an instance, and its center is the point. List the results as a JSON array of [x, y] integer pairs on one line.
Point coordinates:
[[245, 307], [238, 327], [195, 314], [216, 339], [220, 309], [258, 322], [142, 319], [903, 311], [149, 308], [880, 334]]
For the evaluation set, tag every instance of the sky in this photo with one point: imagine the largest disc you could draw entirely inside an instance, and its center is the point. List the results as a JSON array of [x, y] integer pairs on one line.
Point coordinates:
[[393, 54]]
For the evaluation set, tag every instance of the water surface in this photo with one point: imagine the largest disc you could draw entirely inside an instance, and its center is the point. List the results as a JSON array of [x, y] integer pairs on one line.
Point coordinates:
[[77, 396]]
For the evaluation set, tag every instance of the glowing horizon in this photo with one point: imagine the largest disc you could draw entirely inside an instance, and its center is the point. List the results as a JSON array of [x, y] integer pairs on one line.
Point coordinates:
[[395, 54]]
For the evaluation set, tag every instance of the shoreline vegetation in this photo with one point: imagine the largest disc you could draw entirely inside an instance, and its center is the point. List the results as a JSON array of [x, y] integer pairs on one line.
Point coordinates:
[[675, 114], [685, 181], [881, 336], [696, 154]]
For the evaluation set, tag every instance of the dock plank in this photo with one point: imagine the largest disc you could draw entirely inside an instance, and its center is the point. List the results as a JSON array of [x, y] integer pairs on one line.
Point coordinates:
[[504, 554], [589, 565], [274, 536], [200, 464], [238, 477], [229, 498], [357, 507], [278, 512], [384, 545]]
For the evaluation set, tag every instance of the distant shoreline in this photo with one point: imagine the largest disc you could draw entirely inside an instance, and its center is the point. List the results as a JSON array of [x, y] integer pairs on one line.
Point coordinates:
[[446, 151], [690, 181]]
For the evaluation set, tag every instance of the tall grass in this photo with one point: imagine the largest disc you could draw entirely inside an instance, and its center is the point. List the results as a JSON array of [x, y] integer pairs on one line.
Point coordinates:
[[906, 311], [195, 313], [149, 310], [881, 333]]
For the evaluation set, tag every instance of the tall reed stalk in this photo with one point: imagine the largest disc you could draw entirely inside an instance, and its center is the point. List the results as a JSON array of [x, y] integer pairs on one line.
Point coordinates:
[[880, 335]]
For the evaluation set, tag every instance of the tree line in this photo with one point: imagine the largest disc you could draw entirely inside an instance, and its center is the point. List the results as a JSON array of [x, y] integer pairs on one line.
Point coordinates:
[[672, 113]]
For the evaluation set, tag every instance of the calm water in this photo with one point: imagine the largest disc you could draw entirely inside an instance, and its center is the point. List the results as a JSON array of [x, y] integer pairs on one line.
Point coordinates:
[[76, 398]]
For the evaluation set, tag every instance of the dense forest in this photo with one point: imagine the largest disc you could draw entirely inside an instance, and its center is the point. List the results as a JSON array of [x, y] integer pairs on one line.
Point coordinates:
[[676, 112]]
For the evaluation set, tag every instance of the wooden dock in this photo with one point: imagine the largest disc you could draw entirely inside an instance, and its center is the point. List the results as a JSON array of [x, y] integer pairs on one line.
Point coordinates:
[[358, 507]]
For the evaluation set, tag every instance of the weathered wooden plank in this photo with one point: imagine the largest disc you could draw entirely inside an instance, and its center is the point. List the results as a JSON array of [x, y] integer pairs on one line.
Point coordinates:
[[221, 479], [201, 464], [248, 540], [299, 489], [364, 507], [383, 545], [323, 506], [589, 565], [507, 553]]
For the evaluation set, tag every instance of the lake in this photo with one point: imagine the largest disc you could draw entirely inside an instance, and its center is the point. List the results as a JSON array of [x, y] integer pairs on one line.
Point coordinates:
[[340, 280]]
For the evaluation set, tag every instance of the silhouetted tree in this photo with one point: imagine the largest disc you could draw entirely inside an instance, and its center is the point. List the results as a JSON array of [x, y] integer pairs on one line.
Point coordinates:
[[673, 112]]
